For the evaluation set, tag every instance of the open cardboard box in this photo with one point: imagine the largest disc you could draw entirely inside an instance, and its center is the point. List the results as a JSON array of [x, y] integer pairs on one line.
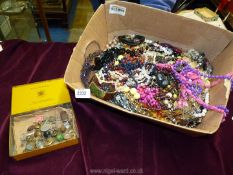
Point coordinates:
[[117, 18]]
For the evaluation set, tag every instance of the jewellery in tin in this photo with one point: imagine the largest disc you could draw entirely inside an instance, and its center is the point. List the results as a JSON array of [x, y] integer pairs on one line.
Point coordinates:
[[51, 130]]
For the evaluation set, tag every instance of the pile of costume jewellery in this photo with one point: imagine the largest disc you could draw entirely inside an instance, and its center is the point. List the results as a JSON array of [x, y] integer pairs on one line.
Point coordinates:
[[153, 79], [47, 131]]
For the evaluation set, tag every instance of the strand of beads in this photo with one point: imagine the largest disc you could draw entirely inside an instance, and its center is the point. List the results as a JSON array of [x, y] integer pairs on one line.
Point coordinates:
[[180, 69], [182, 78], [225, 110], [188, 68], [87, 67], [192, 93], [209, 107], [147, 96]]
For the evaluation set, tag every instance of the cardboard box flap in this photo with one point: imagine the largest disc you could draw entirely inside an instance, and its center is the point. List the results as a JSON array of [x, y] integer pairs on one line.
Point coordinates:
[[181, 31], [94, 38], [223, 63]]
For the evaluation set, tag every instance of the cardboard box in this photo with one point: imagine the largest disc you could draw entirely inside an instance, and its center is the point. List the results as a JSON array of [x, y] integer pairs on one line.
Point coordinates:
[[45, 101], [119, 18]]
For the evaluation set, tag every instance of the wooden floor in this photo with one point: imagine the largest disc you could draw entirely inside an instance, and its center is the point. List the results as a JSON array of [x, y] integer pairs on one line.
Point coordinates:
[[83, 14]]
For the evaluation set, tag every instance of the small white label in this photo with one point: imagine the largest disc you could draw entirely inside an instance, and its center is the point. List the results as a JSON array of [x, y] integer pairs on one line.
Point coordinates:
[[82, 93], [116, 9]]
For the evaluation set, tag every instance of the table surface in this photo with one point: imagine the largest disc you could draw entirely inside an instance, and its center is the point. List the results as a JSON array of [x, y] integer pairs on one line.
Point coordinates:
[[112, 142]]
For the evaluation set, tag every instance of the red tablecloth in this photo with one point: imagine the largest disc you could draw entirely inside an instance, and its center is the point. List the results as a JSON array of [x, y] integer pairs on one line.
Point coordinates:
[[112, 142]]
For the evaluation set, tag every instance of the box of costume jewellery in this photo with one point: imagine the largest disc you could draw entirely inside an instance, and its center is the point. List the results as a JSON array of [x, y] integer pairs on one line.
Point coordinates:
[[155, 65], [42, 119]]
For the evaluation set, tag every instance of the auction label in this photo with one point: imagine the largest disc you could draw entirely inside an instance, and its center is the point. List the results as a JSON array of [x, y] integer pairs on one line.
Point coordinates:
[[116, 9], [82, 93]]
